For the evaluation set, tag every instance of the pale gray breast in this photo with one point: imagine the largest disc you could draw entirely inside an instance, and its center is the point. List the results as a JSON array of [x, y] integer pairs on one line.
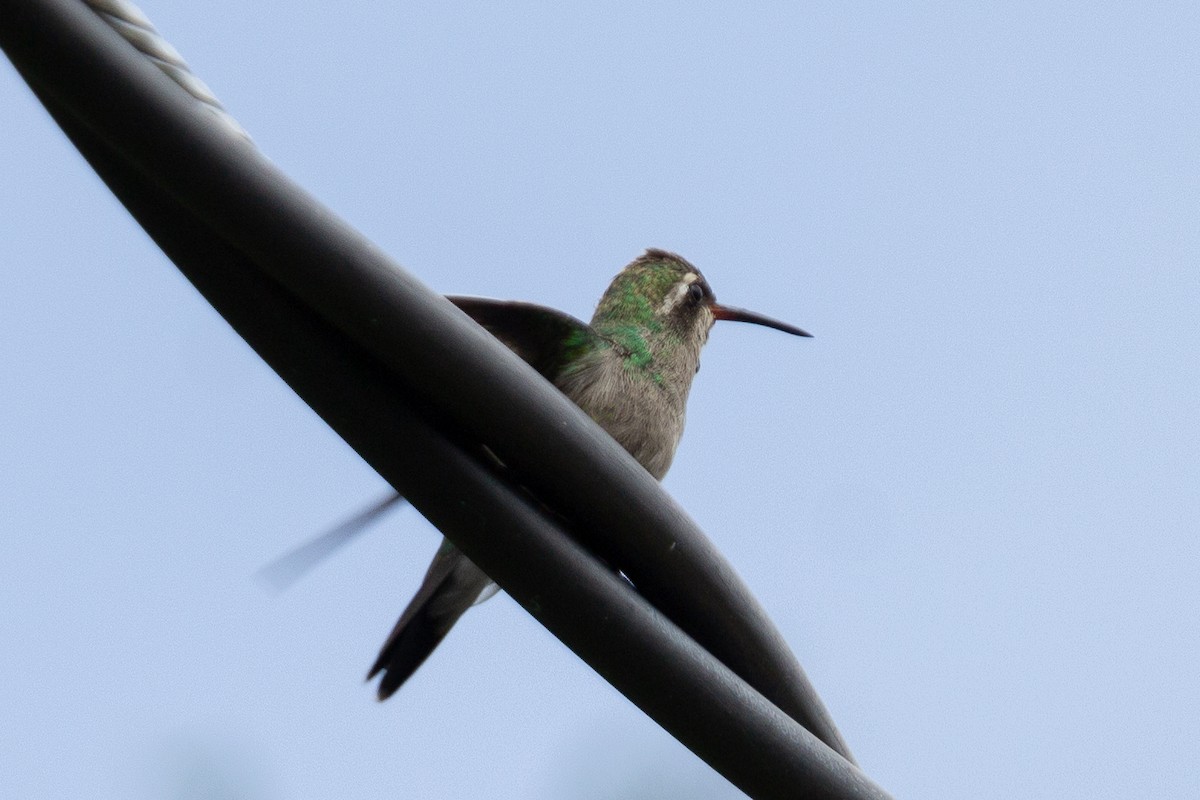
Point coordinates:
[[644, 416]]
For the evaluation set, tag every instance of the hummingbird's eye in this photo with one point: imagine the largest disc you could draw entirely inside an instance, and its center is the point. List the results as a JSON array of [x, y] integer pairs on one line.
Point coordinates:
[[695, 293]]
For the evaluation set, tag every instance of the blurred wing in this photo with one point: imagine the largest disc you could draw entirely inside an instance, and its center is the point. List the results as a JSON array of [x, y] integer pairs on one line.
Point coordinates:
[[545, 338], [295, 564]]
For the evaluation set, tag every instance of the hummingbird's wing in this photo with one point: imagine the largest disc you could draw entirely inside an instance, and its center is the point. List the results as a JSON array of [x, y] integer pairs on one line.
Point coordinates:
[[451, 586], [545, 338], [294, 564]]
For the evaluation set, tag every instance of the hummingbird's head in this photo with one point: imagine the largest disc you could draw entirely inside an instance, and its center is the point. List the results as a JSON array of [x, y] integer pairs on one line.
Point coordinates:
[[664, 296]]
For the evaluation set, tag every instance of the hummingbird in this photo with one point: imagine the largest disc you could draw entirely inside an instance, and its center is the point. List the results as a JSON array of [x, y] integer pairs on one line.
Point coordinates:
[[630, 370]]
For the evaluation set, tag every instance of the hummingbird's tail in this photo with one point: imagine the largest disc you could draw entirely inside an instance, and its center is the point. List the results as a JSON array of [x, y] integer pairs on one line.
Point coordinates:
[[452, 584]]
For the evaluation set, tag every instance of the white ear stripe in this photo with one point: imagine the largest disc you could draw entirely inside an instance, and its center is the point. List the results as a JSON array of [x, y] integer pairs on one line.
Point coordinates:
[[677, 293]]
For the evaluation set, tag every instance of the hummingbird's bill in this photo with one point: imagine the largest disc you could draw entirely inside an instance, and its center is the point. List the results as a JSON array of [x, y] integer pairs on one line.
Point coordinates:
[[742, 315]]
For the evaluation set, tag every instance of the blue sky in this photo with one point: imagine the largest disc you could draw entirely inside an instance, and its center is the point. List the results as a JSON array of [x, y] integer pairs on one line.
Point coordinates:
[[970, 503]]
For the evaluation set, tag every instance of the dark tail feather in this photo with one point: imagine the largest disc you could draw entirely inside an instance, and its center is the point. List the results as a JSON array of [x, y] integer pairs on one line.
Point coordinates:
[[408, 651], [451, 586]]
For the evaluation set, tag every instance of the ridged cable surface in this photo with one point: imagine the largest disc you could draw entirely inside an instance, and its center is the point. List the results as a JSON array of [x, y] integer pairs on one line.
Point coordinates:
[[135, 27]]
